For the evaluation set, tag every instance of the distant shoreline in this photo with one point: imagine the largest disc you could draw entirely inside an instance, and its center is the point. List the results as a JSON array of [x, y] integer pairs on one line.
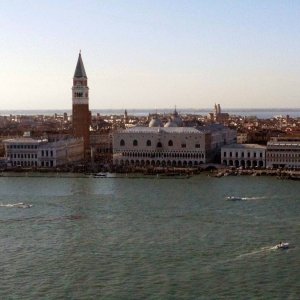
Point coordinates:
[[258, 112]]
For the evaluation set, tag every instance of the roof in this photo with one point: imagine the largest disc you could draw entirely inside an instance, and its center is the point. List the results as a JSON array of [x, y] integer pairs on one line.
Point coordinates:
[[244, 146], [139, 129], [23, 140], [279, 143], [79, 71]]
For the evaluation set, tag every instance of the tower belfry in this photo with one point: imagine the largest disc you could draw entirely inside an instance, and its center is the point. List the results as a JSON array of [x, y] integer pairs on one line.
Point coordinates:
[[81, 116]]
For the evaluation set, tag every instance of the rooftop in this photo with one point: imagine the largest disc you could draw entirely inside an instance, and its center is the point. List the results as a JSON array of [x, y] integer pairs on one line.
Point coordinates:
[[244, 146], [140, 129]]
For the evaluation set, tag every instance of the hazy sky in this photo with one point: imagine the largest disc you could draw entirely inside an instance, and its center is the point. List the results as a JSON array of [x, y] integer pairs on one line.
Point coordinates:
[[151, 53]]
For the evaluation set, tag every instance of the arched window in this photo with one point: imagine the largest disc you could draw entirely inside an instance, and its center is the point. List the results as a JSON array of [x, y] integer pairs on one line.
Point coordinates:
[[148, 143], [159, 145], [135, 142], [122, 143], [170, 143]]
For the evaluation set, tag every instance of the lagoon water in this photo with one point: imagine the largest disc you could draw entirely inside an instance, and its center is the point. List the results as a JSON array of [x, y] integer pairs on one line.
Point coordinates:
[[87, 238]]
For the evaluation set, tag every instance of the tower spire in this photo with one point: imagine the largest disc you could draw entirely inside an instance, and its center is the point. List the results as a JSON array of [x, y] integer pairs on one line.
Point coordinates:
[[80, 71]]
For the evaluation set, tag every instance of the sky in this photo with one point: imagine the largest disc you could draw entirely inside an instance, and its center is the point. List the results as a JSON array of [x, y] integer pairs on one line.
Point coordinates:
[[151, 53]]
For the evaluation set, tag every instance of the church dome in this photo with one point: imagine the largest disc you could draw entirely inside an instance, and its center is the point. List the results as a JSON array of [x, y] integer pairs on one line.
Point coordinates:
[[155, 122], [176, 119], [171, 124]]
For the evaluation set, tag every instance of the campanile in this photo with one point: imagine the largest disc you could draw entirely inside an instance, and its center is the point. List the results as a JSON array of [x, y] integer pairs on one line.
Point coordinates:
[[81, 116]]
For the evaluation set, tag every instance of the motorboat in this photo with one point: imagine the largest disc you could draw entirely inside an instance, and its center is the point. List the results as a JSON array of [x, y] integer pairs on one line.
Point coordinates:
[[282, 245], [17, 205], [23, 205], [234, 198], [100, 175]]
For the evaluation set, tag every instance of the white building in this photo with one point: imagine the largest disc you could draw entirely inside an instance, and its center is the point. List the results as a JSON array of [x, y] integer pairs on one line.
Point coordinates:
[[29, 152], [244, 155], [283, 154], [169, 145]]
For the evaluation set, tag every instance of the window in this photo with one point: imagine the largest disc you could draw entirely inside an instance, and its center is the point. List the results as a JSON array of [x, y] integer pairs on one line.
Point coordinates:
[[224, 153], [170, 143], [148, 143], [159, 145], [197, 146], [183, 145], [122, 143], [135, 142]]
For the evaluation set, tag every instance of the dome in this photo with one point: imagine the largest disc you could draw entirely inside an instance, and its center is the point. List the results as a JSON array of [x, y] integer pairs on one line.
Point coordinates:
[[171, 124], [176, 119], [155, 122]]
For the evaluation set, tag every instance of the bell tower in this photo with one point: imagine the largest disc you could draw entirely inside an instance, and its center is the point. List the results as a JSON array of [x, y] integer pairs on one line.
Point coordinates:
[[81, 116]]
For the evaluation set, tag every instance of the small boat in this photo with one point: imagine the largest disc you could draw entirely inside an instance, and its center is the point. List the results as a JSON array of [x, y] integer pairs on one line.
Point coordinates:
[[23, 205], [16, 205], [233, 198], [100, 175], [282, 245]]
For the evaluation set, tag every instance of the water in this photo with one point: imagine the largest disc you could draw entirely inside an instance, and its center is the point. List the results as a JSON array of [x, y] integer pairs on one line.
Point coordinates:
[[87, 238], [260, 113]]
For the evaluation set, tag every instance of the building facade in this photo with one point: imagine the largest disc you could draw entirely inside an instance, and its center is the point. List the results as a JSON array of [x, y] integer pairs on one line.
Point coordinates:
[[39, 153], [169, 145], [101, 147], [244, 155], [81, 116], [283, 153], [144, 146]]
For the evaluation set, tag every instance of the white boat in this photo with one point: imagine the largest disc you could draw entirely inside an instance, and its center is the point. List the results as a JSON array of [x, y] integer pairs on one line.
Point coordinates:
[[23, 205], [100, 175], [282, 245], [16, 205], [234, 198]]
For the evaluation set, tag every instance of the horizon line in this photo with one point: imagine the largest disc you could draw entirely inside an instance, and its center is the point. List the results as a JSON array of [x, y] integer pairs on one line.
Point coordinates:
[[164, 108]]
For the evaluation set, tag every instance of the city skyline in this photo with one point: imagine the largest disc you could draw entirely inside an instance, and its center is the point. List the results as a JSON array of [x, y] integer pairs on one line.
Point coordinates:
[[157, 54]]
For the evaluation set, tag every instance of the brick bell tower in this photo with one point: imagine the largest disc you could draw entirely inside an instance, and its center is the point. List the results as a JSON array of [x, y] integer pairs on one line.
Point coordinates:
[[81, 116]]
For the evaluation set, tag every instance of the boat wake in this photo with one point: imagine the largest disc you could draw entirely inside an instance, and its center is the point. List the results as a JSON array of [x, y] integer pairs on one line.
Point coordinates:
[[264, 250], [16, 205], [254, 198], [256, 252], [236, 198]]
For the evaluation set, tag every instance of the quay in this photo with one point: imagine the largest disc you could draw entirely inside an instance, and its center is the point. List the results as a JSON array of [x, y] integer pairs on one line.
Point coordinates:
[[156, 173]]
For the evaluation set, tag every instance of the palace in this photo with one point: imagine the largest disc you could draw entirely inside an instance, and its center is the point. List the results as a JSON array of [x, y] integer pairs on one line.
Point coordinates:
[[171, 145]]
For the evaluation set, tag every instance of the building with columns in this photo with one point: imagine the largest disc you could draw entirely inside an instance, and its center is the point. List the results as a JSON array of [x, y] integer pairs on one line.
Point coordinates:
[[27, 152], [244, 155], [81, 116], [169, 144], [283, 152]]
